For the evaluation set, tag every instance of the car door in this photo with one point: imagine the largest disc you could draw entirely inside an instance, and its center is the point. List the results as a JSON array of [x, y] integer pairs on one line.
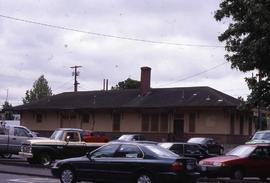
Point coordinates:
[[98, 168], [16, 139], [126, 161], [3, 139], [74, 146], [258, 162]]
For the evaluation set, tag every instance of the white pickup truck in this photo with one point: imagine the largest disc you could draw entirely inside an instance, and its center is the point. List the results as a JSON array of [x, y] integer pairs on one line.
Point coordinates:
[[12, 137]]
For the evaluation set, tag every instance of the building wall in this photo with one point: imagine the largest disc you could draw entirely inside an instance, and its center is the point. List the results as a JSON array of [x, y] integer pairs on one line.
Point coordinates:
[[208, 123]]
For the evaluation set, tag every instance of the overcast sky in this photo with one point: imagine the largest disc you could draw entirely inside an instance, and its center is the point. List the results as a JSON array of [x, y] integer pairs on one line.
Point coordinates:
[[29, 50]]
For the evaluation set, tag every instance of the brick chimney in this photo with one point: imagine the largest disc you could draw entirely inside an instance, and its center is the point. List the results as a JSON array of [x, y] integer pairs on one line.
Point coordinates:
[[145, 80]]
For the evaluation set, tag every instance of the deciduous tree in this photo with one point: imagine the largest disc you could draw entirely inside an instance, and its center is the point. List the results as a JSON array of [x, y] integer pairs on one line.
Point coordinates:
[[40, 90], [248, 43]]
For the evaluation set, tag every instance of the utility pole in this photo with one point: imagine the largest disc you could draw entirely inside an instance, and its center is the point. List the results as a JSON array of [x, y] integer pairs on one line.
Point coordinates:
[[259, 104], [75, 73]]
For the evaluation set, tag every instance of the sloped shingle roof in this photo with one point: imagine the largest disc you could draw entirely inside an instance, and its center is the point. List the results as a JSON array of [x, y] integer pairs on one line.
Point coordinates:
[[156, 98]]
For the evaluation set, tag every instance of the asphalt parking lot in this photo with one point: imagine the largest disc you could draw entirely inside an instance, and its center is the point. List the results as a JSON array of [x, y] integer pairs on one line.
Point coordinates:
[[18, 166]]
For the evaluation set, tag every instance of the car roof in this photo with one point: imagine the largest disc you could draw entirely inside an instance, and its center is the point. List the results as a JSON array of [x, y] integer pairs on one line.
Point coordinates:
[[184, 143], [262, 131], [67, 129], [257, 145]]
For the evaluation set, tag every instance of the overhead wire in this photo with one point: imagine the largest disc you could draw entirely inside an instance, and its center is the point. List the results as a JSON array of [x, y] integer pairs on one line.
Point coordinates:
[[108, 35], [194, 75]]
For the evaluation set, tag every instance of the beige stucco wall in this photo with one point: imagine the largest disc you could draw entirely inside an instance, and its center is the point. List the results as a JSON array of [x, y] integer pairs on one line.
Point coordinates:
[[207, 122], [50, 121], [212, 122], [130, 122]]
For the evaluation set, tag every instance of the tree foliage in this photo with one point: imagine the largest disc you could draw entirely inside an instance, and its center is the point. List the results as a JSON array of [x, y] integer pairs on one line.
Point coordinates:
[[8, 114], [248, 43], [40, 90], [127, 84]]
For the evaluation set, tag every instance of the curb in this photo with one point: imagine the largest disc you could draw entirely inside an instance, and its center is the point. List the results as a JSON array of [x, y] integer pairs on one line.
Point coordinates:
[[27, 174]]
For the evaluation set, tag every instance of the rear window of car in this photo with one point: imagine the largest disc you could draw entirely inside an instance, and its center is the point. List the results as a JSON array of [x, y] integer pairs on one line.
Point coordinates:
[[196, 140], [261, 136], [160, 151]]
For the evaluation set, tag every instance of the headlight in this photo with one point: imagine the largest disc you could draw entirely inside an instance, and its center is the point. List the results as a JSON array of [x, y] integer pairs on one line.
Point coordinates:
[[218, 164]]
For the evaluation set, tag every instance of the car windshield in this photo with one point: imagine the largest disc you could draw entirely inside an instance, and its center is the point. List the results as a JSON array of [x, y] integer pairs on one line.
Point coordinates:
[[196, 140], [261, 136], [160, 151], [57, 135], [241, 151]]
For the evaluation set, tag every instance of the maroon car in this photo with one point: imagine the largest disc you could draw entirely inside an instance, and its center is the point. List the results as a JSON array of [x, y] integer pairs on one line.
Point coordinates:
[[242, 161]]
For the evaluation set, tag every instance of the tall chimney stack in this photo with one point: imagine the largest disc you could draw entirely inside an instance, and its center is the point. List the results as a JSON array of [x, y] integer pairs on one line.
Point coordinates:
[[145, 80]]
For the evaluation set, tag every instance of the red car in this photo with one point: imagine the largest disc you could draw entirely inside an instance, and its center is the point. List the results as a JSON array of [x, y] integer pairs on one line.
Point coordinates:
[[89, 136], [242, 161]]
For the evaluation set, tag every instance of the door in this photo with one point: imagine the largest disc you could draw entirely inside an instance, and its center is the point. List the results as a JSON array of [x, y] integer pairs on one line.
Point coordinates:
[[178, 128], [3, 139], [98, 167], [19, 135]]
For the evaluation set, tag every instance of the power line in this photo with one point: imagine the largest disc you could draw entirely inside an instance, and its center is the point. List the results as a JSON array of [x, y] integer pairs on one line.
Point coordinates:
[[108, 35], [194, 75]]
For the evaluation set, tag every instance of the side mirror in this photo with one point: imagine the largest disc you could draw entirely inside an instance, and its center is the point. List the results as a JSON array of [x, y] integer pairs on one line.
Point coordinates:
[[30, 135], [67, 139]]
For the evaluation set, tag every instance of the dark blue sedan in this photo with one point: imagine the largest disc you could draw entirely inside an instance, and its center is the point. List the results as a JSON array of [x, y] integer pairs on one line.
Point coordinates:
[[127, 162]]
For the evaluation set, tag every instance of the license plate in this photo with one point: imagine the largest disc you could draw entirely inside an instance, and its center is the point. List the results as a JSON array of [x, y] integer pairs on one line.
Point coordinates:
[[190, 167]]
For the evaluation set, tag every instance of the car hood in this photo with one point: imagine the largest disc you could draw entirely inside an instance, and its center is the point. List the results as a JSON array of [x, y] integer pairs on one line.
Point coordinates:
[[258, 141], [43, 140], [220, 159]]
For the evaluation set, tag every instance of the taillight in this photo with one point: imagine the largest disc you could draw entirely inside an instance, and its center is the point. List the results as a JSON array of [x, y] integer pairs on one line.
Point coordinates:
[[177, 166]]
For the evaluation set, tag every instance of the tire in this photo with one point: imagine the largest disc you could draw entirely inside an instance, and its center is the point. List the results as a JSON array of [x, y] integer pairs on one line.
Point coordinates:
[[67, 175], [237, 174], [45, 159], [32, 160], [144, 178], [6, 155]]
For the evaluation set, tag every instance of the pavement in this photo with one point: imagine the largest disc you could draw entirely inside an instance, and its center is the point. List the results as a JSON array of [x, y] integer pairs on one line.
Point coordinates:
[[19, 166], [11, 169]]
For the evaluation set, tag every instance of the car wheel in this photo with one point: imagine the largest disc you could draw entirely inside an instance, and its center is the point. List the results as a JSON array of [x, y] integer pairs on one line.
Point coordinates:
[[45, 159], [144, 178], [238, 174], [6, 155], [32, 160], [67, 175]]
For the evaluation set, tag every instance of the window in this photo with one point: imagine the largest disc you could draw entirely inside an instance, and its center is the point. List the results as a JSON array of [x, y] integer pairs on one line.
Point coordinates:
[[129, 151], [232, 123], [73, 136], [85, 118], [105, 151], [241, 128], [192, 150], [192, 118], [38, 117], [164, 122], [155, 122], [116, 122], [145, 122], [250, 125], [20, 132]]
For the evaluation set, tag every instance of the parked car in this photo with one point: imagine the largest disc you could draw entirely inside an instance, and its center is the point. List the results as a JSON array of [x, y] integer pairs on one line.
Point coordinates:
[[127, 162], [187, 150], [63, 143], [260, 137], [209, 144], [12, 137], [242, 161], [90, 136]]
